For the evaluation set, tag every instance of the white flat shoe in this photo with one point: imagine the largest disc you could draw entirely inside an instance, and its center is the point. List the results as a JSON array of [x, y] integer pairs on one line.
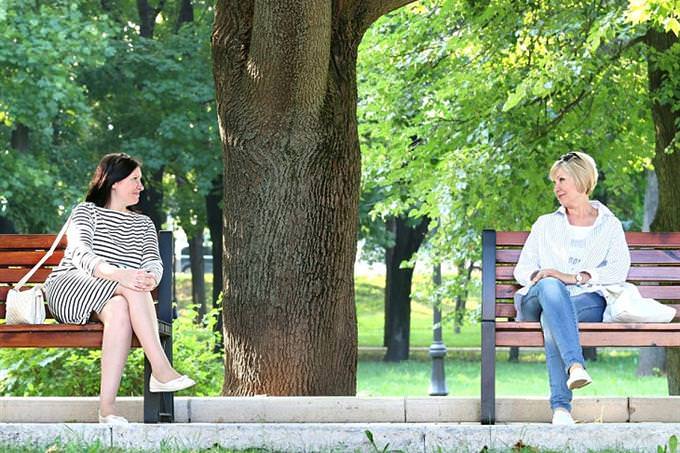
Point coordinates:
[[112, 419], [578, 378], [562, 417], [181, 383]]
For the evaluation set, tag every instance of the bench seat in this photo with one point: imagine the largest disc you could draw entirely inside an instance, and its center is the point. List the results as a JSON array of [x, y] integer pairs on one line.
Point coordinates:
[[655, 268]]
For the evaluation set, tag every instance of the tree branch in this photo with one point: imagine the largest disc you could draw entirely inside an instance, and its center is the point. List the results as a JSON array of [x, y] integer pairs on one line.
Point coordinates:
[[370, 11]]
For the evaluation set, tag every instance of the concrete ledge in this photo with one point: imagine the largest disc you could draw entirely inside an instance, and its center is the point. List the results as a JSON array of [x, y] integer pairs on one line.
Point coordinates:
[[655, 409], [408, 437], [344, 410]]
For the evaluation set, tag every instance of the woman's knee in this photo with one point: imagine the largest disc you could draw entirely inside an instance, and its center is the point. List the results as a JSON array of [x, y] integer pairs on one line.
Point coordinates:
[[551, 290], [550, 284], [116, 312]]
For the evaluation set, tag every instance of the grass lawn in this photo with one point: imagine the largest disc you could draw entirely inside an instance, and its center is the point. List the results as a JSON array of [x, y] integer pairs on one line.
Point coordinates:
[[613, 375], [613, 372], [370, 313], [370, 304]]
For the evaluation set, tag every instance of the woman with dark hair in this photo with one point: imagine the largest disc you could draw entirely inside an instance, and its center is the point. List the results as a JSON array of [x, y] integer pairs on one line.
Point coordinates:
[[110, 266]]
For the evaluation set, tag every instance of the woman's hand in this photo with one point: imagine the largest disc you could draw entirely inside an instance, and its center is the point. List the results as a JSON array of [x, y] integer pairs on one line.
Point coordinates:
[[136, 279], [561, 276]]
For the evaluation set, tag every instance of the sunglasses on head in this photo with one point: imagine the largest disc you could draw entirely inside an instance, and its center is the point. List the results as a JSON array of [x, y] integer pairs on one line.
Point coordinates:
[[569, 156]]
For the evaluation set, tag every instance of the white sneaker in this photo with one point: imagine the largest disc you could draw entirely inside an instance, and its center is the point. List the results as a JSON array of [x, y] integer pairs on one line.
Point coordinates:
[[562, 417], [578, 378]]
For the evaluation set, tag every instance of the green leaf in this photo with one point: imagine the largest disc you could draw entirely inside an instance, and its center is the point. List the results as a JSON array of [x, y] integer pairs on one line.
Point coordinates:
[[515, 98], [673, 25]]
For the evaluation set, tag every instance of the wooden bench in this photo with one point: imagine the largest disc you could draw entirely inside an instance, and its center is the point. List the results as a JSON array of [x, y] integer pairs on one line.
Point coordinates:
[[655, 268], [19, 252]]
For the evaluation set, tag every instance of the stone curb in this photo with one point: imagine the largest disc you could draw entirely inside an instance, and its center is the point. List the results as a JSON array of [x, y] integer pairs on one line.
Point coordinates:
[[408, 437], [344, 409]]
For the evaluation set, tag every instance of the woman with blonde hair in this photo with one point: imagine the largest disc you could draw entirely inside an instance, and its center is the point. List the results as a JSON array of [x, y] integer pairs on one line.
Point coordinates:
[[568, 257]]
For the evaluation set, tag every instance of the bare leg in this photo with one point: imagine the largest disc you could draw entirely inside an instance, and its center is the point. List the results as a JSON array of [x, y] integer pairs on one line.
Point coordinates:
[[115, 348], [145, 326]]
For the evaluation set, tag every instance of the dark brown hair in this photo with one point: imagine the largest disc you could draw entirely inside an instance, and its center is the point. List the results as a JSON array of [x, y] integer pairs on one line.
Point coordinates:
[[111, 169]]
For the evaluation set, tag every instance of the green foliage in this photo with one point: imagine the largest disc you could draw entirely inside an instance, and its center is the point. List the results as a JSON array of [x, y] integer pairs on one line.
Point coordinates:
[[671, 447], [82, 82], [41, 90], [493, 93], [67, 372], [664, 14]]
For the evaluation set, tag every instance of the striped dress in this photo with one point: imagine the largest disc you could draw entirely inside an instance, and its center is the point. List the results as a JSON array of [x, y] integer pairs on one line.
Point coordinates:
[[122, 239]]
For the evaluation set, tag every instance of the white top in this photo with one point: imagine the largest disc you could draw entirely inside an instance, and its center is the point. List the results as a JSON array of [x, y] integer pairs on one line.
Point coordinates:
[[600, 250]]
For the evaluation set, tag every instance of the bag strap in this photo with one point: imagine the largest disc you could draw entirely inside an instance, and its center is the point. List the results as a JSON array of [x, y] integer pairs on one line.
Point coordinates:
[[49, 253]]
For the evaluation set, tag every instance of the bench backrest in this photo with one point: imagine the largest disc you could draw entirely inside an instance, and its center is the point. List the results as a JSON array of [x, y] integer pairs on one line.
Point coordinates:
[[19, 253], [655, 268]]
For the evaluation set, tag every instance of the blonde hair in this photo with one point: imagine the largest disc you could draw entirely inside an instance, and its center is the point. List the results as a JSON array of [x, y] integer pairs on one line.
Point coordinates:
[[579, 166]]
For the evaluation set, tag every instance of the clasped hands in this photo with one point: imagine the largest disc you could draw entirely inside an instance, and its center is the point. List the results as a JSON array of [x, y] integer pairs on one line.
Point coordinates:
[[137, 279], [568, 279]]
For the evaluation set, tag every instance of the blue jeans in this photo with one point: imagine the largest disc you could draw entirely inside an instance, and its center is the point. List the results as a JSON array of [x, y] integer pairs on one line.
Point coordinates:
[[549, 301]]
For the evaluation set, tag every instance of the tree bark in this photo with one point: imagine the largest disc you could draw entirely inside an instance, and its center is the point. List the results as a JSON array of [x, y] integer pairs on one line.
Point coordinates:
[[461, 298], [666, 163], [214, 218], [151, 201], [147, 17], [197, 273], [285, 79], [407, 240]]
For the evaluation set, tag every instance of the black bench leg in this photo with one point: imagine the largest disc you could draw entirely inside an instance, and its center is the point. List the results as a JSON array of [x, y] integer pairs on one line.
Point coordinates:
[[488, 400], [158, 407], [152, 401]]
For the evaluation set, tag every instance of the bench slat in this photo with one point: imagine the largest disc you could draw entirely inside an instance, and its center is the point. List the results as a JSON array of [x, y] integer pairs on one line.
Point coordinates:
[[507, 310], [634, 239], [14, 275], [593, 334], [653, 291], [29, 241], [670, 256], [642, 274], [47, 338], [29, 258]]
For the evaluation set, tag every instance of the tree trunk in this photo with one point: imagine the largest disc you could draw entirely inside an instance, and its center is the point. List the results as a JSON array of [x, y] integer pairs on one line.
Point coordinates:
[[19, 140], [407, 241], [285, 79], [666, 163], [186, 13], [652, 360], [461, 298], [151, 201], [197, 273], [214, 219], [147, 17]]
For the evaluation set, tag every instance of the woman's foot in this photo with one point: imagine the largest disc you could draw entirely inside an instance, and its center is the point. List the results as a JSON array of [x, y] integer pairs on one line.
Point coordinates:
[[562, 417], [175, 385], [578, 377], [111, 419]]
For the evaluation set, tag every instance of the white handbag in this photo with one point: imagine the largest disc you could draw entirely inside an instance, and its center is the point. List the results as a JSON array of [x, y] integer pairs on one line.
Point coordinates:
[[625, 304], [28, 307]]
